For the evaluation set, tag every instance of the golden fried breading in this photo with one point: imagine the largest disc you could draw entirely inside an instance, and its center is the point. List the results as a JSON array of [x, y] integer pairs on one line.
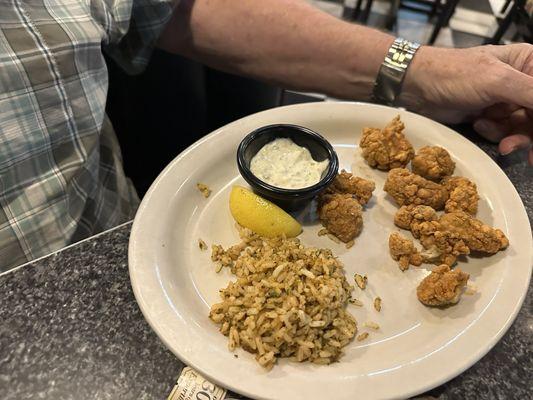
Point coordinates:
[[443, 247], [410, 217], [454, 234], [463, 195], [387, 148], [442, 287], [408, 188], [477, 235], [433, 163], [404, 251], [346, 183], [339, 206], [341, 214]]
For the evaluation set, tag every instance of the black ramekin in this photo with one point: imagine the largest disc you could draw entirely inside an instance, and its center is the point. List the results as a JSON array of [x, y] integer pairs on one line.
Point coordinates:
[[320, 149]]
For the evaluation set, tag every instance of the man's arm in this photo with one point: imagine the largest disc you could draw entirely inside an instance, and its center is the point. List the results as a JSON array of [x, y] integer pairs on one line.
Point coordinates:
[[285, 42], [292, 44]]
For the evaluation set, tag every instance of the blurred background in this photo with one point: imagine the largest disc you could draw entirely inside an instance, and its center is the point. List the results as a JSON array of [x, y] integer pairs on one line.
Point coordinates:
[[175, 101]]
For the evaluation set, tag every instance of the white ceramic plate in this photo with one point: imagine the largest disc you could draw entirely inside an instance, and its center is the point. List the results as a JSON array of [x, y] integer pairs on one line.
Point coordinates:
[[417, 348]]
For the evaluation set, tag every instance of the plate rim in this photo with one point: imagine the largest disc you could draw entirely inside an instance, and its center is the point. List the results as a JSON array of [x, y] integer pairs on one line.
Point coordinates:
[[465, 364]]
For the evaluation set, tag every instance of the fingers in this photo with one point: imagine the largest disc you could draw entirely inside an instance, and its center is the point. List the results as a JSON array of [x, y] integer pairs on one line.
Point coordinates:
[[500, 110], [518, 55], [513, 143], [521, 122], [491, 130], [513, 87], [494, 129], [517, 142]]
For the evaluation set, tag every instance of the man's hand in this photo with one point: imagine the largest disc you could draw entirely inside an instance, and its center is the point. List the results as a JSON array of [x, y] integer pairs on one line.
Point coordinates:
[[511, 125], [491, 86]]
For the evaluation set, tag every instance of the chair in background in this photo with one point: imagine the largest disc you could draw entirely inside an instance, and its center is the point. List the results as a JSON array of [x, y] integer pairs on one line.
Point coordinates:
[[505, 6], [361, 13], [524, 24], [445, 13], [440, 10], [517, 13], [429, 7]]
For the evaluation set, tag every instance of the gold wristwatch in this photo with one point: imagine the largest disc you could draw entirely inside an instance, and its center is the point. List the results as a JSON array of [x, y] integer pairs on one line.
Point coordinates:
[[389, 81]]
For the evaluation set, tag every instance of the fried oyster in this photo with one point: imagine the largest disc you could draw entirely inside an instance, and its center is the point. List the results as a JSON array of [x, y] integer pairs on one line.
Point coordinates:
[[442, 287], [433, 163], [340, 205], [347, 183], [463, 195], [404, 251], [442, 246], [411, 217], [408, 188], [341, 215], [477, 235], [386, 148], [450, 235]]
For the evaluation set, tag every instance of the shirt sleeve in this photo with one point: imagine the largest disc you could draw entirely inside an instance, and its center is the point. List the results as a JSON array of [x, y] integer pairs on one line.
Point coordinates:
[[133, 27]]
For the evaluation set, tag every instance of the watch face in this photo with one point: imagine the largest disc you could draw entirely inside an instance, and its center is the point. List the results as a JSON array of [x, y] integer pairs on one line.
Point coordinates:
[[401, 53], [390, 77]]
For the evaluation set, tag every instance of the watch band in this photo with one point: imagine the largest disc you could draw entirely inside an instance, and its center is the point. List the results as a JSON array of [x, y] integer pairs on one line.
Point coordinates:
[[390, 77]]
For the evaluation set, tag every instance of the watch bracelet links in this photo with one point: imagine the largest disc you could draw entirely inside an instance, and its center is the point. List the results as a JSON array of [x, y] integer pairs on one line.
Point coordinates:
[[388, 84]]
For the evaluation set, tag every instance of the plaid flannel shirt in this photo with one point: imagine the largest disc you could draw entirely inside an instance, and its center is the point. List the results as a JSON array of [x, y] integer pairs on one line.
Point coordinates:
[[61, 176]]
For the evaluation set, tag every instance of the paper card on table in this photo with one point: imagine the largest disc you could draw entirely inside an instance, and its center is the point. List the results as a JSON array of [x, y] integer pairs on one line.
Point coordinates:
[[193, 386]]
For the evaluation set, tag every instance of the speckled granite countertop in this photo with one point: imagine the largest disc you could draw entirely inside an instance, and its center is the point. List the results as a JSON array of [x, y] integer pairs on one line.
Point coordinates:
[[70, 328]]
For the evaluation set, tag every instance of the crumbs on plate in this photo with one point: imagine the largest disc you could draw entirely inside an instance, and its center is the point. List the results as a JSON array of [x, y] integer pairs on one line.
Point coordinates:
[[362, 336], [202, 245], [204, 189], [361, 281], [377, 304]]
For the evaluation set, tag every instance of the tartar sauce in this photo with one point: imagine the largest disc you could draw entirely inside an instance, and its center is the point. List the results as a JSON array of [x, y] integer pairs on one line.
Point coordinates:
[[284, 164]]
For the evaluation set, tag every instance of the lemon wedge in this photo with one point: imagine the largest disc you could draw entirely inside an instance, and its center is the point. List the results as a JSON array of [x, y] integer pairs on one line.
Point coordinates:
[[260, 215]]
